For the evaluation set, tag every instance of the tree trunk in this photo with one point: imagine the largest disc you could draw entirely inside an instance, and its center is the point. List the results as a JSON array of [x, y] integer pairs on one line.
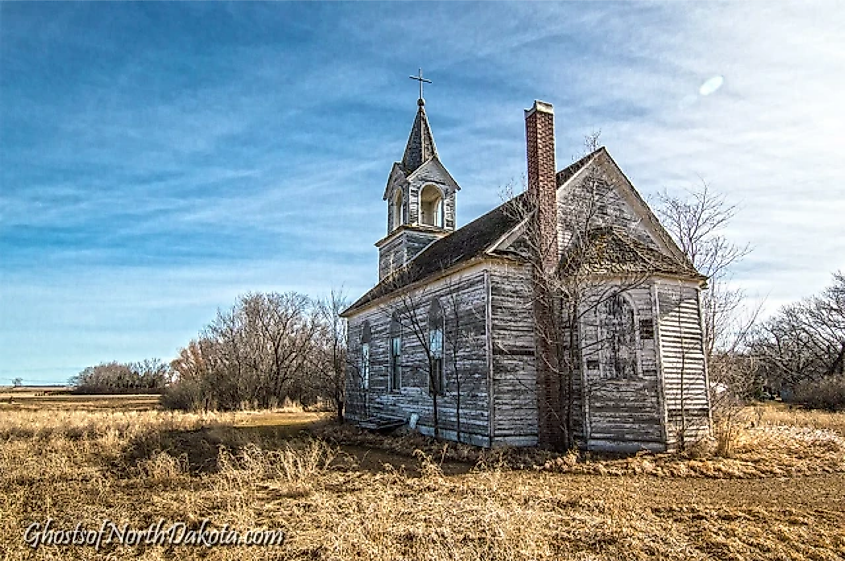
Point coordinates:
[[436, 420], [458, 408]]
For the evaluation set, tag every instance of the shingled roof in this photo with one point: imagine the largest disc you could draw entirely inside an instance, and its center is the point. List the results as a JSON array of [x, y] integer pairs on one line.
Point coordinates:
[[460, 246], [566, 173], [612, 251], [420, 147]]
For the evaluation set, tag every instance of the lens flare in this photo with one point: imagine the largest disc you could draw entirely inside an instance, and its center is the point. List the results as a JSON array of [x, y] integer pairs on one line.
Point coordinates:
[[711, 85]]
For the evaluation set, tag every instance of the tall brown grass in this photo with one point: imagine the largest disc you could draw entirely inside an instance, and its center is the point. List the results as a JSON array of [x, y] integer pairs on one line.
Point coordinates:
[[135, 468], [779, 414]]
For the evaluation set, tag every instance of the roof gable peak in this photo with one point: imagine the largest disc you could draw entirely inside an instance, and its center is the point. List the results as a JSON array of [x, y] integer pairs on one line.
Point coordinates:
[[626, 189]]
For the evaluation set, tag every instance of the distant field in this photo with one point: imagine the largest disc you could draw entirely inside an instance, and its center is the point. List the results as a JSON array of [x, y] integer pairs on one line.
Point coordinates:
[[6, 391], [29, 398], [86, 458]]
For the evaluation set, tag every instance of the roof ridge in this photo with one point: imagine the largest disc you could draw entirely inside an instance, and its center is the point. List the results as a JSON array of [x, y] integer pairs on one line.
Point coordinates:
[[467, 225], [468, 241], [563, 175]]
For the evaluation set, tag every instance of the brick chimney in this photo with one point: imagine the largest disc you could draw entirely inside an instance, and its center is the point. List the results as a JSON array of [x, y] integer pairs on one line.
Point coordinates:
[[542, 184], [542, 192]]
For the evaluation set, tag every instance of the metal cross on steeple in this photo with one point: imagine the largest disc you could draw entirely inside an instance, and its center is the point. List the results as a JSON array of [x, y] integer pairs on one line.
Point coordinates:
[[420, 79]]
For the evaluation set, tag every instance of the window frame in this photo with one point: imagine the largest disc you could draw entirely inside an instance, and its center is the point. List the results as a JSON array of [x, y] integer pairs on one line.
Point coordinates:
[[438, 214], [608, 359], [366, 339], [394, 372], [436, 336], [397, 208]]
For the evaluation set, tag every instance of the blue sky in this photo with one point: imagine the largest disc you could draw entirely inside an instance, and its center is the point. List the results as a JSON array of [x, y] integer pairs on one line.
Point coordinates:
[[157, 160]]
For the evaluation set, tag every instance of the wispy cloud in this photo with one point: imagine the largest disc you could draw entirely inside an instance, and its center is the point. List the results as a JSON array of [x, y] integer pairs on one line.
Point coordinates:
[[159, 159]]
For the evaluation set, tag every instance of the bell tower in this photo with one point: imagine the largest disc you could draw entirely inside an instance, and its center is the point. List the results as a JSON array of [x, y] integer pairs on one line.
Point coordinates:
[[420, 196]]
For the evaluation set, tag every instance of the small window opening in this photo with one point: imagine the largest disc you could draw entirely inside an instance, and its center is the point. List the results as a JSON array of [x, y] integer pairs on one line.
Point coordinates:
[[431, 206], [397, 209]]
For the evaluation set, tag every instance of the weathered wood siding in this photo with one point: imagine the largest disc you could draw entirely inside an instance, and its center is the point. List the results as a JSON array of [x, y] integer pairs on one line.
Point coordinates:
[[391, 256], [414, 202], [465, 292], [514, 403], [449, 211], [683, 364], [623, 413], [406, 245], [593, 194]]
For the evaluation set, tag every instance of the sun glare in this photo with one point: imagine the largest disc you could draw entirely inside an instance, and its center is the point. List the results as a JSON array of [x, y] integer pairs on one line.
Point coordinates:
[[711, 85]]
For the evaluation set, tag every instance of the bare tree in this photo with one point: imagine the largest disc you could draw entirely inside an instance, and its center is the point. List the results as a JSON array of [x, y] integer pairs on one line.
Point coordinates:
[[228, 379], [148, 376], [281, 330], [573, 297], [411, 311], [696, 222], [192, 372], [804, 343], [459, 316], [329, 373], [255, 354]]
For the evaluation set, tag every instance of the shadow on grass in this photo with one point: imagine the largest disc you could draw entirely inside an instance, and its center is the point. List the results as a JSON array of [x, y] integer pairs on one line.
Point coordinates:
[[201, 448]]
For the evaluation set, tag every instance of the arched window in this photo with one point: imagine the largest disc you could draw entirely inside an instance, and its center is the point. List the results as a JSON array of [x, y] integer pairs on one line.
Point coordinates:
[[397, 209], [366, 335], [436, 381], [431, 206], [395, 366], [619, 339]]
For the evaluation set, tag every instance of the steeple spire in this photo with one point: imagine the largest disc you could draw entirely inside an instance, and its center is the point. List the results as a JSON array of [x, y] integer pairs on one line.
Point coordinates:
[[420, 147], [420, 196]]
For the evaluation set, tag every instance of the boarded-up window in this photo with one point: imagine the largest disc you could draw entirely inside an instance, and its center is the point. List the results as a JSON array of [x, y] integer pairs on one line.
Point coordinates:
[[619, 338], [436, 382], [395, 374], [646, 329]]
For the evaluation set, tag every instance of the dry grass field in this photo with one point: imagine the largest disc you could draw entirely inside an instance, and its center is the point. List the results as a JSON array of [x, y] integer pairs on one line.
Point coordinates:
[[341, 494]]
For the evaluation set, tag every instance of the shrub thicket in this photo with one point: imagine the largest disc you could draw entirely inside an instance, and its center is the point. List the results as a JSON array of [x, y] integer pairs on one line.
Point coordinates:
[[829, 393]]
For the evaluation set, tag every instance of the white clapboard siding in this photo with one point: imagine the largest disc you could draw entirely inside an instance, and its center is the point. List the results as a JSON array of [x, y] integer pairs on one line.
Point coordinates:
[[683, 363]]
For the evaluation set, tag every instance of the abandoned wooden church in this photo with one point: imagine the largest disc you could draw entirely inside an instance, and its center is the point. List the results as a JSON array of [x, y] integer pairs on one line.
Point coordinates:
[[566, 316]]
